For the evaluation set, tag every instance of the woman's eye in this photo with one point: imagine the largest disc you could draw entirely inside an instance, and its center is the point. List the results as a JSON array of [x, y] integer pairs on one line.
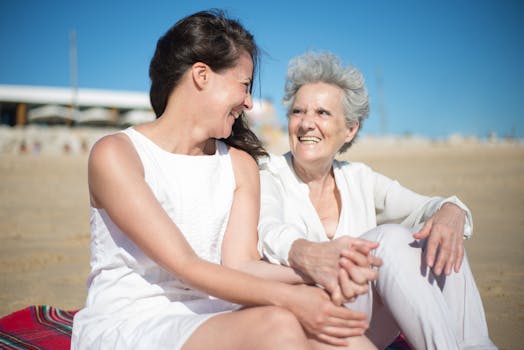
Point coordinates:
[[323, 112], [295, 111]]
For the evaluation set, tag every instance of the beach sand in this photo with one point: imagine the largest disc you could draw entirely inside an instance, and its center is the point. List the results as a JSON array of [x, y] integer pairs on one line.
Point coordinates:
[[44, 221]]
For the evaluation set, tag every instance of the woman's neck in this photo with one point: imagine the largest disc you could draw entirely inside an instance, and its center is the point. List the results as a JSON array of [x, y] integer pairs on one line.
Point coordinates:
[[312, 172], [323, 193], [177, 131], [317, 177]]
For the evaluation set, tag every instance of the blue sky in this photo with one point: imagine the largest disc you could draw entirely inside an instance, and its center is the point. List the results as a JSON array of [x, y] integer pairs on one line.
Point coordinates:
[[434, 68]]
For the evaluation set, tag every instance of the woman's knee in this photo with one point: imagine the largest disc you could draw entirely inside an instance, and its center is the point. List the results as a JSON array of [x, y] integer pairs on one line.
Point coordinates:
[[278, 318], [258, 328], [282, 326], [390, 235], [394, 240]]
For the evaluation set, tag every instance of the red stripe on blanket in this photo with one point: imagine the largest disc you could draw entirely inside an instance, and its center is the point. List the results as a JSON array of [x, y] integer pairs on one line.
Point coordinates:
[[37, 328]]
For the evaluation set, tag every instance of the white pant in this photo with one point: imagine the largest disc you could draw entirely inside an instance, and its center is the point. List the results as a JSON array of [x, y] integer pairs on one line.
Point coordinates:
[[434, 312]]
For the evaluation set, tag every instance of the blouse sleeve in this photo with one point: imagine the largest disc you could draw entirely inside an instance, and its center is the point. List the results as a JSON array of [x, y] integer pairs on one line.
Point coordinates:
[[275, 236], [397, 204]]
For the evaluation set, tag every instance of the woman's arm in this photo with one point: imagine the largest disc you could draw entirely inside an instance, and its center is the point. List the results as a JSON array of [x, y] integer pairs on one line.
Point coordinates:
[[444, 221], [239, 248], [395, 203], [116, 183], [276, 234]]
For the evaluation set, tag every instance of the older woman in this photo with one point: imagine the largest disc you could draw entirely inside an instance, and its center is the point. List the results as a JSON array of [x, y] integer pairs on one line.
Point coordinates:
[[315, 210]]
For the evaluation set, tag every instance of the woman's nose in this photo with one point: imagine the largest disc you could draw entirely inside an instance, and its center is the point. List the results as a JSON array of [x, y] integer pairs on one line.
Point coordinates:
[[307, 121], [248, 101]]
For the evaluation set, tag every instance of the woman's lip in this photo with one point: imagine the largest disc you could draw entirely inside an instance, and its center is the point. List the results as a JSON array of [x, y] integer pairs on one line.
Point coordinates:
[[309, 139]]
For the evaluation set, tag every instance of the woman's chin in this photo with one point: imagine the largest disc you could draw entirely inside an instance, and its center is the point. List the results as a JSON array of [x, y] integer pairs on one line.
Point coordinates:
[[307, 154]]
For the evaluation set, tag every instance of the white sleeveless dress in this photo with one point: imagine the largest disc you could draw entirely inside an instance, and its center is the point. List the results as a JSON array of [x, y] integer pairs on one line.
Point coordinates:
[[132, 302]]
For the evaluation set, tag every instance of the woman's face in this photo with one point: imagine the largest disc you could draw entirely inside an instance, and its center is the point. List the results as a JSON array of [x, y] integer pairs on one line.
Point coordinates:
[[231, 96], [317, 127]]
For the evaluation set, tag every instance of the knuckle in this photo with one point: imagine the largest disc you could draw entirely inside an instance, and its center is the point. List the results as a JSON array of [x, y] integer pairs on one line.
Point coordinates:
[[331, 284], [318, 321], [348, 295], [364, 289], [446, 249]]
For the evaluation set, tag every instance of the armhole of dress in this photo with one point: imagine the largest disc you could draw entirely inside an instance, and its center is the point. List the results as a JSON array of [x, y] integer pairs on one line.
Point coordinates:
[[225, 159], [128, 132]]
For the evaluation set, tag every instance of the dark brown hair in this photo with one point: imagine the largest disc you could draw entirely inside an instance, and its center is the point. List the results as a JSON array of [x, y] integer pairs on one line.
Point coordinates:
[[212, 38]]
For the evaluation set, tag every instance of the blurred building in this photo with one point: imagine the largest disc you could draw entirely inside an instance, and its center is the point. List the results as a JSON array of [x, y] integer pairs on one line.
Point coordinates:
[[53, 118], [21, 105]]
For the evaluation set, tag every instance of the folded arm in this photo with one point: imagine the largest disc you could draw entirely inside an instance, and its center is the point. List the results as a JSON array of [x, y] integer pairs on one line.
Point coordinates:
[[444, 222]]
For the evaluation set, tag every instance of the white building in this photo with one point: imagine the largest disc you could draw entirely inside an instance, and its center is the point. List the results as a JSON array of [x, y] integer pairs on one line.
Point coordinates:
[[20, 105]]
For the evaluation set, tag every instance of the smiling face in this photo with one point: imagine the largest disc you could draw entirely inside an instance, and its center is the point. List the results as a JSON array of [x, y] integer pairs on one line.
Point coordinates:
[[317, 127], [230, 95]]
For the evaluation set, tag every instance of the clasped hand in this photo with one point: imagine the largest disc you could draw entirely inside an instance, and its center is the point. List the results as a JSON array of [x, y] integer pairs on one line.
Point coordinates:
[[343, 266]]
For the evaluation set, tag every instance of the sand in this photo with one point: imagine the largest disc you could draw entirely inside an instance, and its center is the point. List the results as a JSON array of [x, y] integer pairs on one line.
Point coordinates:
[[44, 221]]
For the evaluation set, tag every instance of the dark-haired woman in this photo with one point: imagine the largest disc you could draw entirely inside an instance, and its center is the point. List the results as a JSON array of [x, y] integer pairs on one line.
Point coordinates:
[[174, 211]]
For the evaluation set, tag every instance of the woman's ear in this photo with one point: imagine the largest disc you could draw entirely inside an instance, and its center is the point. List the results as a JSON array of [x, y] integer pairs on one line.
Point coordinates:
[[200, 73], [352, 130]]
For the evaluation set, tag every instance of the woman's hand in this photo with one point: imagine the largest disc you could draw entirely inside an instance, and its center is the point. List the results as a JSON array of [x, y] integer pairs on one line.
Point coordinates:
[[445, 230], [323, 262], [358, 268], [324, 320]]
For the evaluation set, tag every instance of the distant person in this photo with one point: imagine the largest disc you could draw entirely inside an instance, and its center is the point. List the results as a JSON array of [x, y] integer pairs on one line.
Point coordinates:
[[174, 211], [313, 208]]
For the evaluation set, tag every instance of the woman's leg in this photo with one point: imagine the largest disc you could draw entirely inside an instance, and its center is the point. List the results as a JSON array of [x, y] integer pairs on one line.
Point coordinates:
[[433, 312], [257, 328], [463, 299], [418, 306], [383, 328]]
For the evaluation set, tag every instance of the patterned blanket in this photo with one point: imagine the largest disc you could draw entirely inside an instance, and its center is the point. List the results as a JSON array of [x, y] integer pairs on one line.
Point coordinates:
[[48, 328], [37, 328]]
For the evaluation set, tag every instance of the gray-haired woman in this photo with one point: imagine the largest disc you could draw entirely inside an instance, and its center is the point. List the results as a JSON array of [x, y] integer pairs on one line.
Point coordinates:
[[315, 210]]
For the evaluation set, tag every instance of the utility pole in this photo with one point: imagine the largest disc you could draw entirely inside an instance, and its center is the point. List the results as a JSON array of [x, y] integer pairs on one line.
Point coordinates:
[[74, 74], [381, 103]]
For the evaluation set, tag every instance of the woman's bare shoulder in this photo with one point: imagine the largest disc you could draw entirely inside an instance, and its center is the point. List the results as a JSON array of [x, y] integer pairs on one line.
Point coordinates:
[[112, 160], [115, 149], [242, 160]]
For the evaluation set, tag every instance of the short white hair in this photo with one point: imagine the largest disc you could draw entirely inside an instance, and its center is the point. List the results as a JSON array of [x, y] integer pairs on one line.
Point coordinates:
[[313, 67]]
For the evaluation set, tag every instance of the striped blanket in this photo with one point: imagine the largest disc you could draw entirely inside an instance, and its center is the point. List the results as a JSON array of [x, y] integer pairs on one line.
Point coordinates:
[[48, 328], [37, 328]]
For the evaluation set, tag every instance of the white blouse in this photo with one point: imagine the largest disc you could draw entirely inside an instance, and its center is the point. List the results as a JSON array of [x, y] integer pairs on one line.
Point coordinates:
[[368, 199]]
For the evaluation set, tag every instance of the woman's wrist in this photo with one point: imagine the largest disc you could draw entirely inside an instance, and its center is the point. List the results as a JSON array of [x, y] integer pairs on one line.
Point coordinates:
[[297, 254], [453, 206], [283, 295]]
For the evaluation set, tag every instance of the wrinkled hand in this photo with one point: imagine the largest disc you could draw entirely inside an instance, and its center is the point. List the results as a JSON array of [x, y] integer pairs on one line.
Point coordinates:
[[325, 263], [324, 320], [357, 269], [445, 230]]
